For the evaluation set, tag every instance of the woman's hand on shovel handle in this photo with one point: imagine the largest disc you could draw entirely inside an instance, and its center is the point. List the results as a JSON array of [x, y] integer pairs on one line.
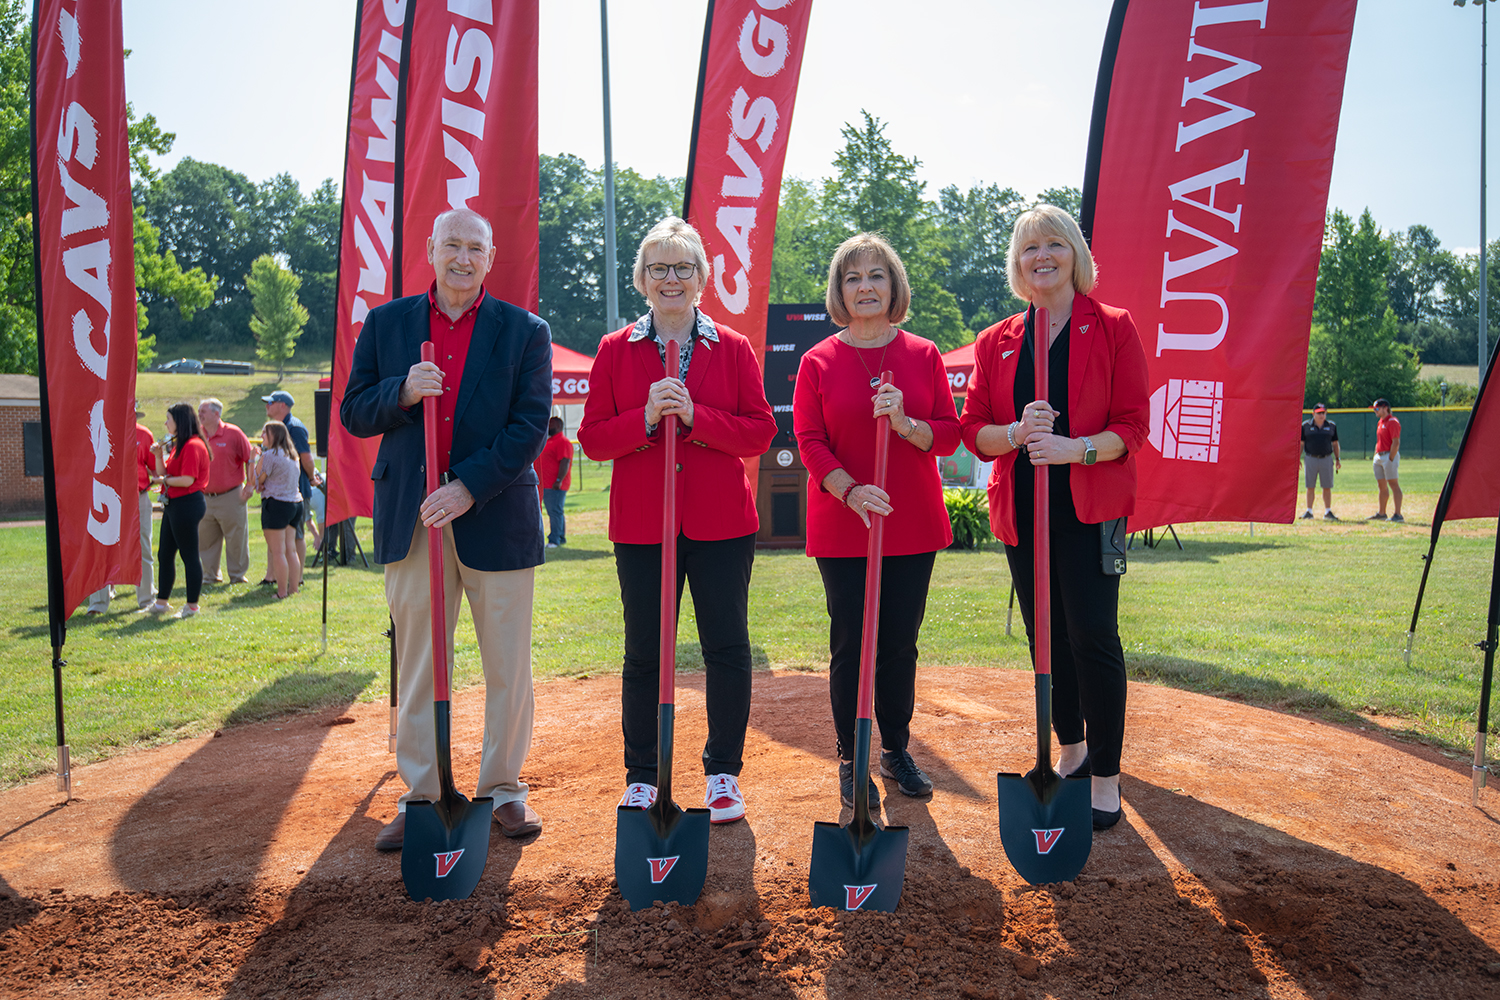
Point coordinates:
[[444, 504], [865, 500]]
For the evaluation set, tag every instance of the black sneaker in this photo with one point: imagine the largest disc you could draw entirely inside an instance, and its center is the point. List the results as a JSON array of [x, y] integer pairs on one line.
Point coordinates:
[[1307, 515], [1375, 517], [846, 785], [1329, 515], [900, 768], [1397, 519]]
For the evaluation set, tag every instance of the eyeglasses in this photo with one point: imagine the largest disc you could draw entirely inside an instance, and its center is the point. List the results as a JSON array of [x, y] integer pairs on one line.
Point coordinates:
[[684, 271]]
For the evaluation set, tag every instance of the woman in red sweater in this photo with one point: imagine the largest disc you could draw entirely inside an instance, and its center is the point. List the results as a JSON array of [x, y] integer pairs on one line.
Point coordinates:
[[184, 474], [838, 397], [719, 398], [1090, 419]]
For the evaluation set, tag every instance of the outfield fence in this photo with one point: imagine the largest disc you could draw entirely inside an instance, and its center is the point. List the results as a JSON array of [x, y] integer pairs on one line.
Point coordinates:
[[1426, 432]]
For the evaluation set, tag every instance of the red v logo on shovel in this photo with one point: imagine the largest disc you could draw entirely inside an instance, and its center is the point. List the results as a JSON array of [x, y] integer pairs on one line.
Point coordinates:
[[661, 868], [1047, 839], [855, 895], [446, 860]]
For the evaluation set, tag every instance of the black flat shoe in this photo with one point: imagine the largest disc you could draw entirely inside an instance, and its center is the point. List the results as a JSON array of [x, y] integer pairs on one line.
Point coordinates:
[[1104, 820], [1085, 770]]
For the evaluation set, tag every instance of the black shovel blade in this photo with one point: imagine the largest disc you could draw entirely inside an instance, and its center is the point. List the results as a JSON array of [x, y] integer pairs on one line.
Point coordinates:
[[445, 847], [857, 869], [661, 854], [1046, 824]]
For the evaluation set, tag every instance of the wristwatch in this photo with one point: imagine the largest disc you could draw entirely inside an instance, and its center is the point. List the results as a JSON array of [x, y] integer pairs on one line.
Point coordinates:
[[1090, 454]]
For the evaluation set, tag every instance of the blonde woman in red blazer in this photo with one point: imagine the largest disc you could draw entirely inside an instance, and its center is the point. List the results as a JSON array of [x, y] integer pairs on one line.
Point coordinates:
[[1091, 419], [723, 417]]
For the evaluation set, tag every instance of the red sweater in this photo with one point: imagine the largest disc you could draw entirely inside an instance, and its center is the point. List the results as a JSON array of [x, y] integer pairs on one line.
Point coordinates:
[[1107, 391], [189, 460], [833, 415], [731, 421]]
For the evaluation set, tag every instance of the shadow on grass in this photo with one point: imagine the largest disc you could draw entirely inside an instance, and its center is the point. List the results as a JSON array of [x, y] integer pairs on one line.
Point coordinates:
[[300, 691], [567, 554], [1199, 551], [1213, 679], [690, 657]]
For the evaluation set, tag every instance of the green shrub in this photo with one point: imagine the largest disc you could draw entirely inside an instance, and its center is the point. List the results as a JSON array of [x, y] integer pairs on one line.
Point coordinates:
[[969, 513]]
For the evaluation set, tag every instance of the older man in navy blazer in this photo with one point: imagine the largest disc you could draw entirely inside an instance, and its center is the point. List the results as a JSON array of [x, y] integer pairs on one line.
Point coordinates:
[[492, 386]]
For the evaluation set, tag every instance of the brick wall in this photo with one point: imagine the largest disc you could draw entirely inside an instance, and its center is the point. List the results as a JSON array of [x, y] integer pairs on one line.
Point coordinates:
[[20, 494]]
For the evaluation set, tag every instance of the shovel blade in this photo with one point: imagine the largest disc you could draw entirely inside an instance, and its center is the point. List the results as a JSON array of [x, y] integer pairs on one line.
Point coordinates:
[[661, 854], [443, 857], [857, 870], [1046, 827]]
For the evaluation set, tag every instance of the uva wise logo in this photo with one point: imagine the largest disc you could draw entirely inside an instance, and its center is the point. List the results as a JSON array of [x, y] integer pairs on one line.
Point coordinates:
[[855, 895], [446, 860], [661, 868], [1047, 839]]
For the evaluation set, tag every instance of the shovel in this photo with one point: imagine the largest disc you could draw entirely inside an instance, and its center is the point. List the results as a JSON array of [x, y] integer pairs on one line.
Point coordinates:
[[661, 851], [447, 842], [860, 866], [1046, 822]]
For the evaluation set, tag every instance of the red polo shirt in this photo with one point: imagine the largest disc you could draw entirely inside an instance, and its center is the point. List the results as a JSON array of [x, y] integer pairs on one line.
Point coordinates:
[[450, 339], [230, 451], [145, 460]]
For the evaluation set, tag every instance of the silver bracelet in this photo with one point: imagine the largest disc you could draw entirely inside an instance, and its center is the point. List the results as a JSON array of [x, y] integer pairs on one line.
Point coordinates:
[[1010, 435], [911, 424]]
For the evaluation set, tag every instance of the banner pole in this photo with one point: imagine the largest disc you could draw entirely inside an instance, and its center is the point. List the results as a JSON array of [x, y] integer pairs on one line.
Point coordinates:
[[1492, 625], [687, 183]]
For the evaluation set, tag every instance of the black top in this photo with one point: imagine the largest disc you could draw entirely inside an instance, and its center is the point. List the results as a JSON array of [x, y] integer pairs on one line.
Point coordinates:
[[1064, 516], [1318, 441]]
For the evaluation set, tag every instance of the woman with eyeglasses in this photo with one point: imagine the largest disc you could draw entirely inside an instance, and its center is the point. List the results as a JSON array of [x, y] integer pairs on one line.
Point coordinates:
[[838, 399], [719, 399]]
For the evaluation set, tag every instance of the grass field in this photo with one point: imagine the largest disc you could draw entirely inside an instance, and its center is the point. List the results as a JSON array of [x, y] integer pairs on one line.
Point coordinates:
[[240, 394], [1306, 617]]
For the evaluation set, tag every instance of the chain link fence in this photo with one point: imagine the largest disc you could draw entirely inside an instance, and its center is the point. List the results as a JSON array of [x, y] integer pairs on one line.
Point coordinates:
[[1427, 432]]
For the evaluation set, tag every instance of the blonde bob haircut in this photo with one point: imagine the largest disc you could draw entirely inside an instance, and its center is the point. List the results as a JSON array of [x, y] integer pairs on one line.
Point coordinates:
[[1049, 220], [882, 254], [678, 235]]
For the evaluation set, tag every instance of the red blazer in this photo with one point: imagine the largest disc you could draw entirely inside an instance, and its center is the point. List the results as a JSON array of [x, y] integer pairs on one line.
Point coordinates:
[[1107, 391], [731, 421]]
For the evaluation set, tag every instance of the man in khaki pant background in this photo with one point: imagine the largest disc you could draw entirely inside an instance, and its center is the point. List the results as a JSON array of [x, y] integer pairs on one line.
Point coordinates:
[[228, 490]]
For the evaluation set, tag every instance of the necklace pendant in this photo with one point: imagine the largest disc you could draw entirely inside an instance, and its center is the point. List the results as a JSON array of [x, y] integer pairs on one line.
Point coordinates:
[[875, 382]]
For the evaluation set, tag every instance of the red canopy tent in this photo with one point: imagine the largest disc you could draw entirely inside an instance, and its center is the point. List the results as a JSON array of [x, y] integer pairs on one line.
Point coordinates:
[[960, 365], [570, 375]]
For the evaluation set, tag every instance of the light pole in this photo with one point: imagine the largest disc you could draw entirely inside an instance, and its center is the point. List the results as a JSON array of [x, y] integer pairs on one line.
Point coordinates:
[[611, 291], [1484, 289]]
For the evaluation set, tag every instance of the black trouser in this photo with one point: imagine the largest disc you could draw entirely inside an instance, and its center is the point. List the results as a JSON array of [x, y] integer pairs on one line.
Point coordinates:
[[719, 575], [1088, 662], [903, 604], [179, 534]]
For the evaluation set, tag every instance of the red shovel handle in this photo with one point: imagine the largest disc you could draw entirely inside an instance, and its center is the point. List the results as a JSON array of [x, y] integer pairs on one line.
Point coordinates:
[[435, 544], [1041, 544], [668, 658], [871, 631]]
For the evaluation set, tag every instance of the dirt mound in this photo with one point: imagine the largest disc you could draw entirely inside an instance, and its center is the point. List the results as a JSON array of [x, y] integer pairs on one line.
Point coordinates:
[[1311, 861]]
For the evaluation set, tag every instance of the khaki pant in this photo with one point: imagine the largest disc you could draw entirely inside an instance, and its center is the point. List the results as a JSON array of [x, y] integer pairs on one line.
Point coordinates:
[[226, 523], [500, 603], [144, 591]]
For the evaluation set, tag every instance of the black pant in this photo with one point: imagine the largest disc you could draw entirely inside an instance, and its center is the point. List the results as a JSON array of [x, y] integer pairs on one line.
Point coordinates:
[[179, 533], [903, 605], [1088, 662], [719, 574]]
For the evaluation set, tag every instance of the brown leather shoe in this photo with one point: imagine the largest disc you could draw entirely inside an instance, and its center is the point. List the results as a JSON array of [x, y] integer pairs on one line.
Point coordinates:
[[392, 834], [517, 819]]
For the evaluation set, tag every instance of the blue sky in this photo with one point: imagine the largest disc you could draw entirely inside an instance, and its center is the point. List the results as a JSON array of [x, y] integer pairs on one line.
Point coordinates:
[[974, 94]]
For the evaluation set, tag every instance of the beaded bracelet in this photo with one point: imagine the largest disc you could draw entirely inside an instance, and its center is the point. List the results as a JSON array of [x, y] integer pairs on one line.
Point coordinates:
[[1010, 435], [844, 499]]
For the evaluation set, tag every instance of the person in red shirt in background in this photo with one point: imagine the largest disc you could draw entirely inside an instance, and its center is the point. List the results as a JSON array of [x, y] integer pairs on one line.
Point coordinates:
[[1387, 460], [144, 464], [554, 474], [182, 459]]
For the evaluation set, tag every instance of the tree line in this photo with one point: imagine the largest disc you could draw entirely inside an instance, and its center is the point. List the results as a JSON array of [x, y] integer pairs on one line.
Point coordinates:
[[230, 267]]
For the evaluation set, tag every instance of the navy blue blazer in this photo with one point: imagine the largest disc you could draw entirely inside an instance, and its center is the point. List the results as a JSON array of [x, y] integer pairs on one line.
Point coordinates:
[[499, 427]]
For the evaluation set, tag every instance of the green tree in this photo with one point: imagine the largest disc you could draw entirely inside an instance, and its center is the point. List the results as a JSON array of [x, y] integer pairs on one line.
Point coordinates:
[[976, 227], [157, 275], [279, 317], [1353, 354], [799, 260], [311, 242], [876, 190], [17, 287], [1069, 199]]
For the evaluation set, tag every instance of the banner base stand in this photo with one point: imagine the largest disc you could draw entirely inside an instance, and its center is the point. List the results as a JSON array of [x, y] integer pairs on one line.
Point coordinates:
[[64, 770]]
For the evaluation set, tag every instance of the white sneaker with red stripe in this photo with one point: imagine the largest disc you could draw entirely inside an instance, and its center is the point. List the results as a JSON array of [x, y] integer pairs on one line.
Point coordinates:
[[725, 801], [638, 795]]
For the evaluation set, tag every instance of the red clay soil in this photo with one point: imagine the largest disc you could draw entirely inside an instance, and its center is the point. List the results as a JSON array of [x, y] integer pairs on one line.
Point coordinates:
[[1262, 855]]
